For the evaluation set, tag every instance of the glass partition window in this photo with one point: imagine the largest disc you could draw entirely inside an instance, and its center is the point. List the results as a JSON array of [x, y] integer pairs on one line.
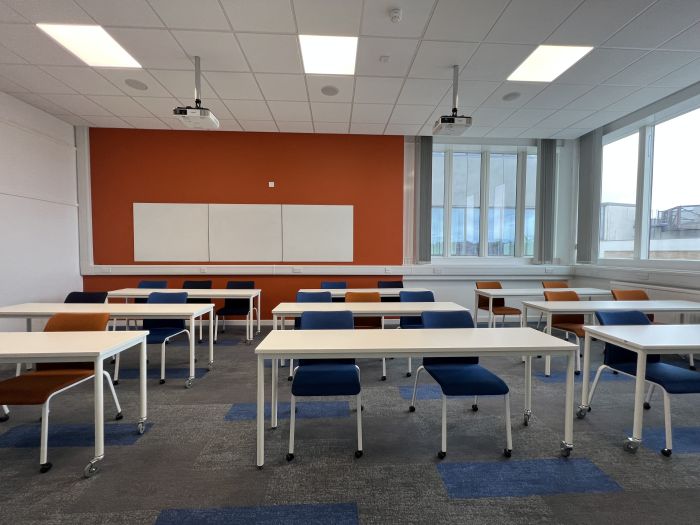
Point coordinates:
[[438, 204], [502, 198], [618, 198], [530, 200], [466, 194]]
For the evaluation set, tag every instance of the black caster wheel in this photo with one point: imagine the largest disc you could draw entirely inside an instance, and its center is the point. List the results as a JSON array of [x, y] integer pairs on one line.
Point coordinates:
[[259, 467], [647, 406], [408, 374], [666, 452], [290, 457], [362, 408], [411, 408], [590, 408], [45, 467], [475, 407], [441, 455], [581, 413], [289, 378], [358, 454], [565, 452], [577, 372], [161, 381], [115, 382], [383, 378], [692, 367], [507, 452], [4, 418], [546, 375], [615, 372], [119, 416], [214, 342]]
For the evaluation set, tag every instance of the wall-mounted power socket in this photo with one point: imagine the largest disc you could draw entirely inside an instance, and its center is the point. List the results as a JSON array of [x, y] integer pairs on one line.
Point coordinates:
[[106, 269], [387, 270], [202, 269], [296, 269], [271, 184]]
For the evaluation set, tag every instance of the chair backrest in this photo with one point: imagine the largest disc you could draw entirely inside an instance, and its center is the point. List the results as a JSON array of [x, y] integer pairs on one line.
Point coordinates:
[[327, 321], [613, 354], [629, 295], [414, 297], [569, 295], [555, 284], [240, 285], [489, 285], [365, 297], [241, 305], [196, 285], [149, 284], [165, 298], [314, 297], [86, 297], [453, 319], [389, 284], [73, 323], [334, 285]]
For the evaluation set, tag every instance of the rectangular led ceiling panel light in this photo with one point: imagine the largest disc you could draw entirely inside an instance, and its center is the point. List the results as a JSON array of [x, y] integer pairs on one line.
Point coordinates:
[[548, 62], [91, 44], [328, 55]]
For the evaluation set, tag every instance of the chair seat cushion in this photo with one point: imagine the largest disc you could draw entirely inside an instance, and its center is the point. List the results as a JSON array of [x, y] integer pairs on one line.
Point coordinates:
[[467, 380], [505, 310], [674, 379], [157, 335], [574, 328], [326, 380], [34, 388]]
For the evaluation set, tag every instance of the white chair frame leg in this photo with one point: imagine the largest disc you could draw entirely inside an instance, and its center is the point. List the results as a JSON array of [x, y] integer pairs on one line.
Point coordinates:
[[509, 431], [410, 367], [162, 352], [412, 408], [443, 446], [5, 413], [647, 399], [383, 368], [667, 424]]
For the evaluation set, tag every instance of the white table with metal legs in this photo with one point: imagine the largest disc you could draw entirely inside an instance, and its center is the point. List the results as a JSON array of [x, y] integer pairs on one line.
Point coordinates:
[[383, 292], [643, 340], [187, 311], [80, 347], [361, 344]]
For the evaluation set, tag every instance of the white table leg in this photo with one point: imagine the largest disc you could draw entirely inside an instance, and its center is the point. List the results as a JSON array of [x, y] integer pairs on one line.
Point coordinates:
[[632, 443], [584, 407], [29, 329], [193, 326], [259, 309], [568, 444], [249, 320], [98, 381], [273, 401], [476, 307], [260, 417], [528, 390], [211, 338], [490, 311], [143, 399], [548, 358]]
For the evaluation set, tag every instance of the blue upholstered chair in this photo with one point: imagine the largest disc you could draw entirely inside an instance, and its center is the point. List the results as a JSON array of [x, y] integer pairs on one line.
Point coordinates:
[[671, 379], [415, 320], [390, 284], [307, 297], [326, 377], [150, 284], [335, 285], [86, 297], [460, 376], [233, 307], [198, 285]]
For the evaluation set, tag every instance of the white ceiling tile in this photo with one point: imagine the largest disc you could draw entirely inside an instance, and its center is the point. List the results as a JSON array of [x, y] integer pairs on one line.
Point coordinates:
[[118, 77], [290, 111], [600, 96], [539, 133], [183, 14], [272, 53], [570, 133], [261, 16], [121, 106], [435, 59], [278, 86], [526, 118], [259, 125], [295, 127], [8, 57], [364, 128], [462, 21], [527, 91], [652, 67], [328, 17], [530, 21], [495, 62], [426, 130], [108, 122], [505, 133], [601, 118], [7, 86], [51, 11], [556, 96], [162, 107], [218, 51], [371, 113], [330, 112], [152, 48], [402, 129], [83, 79], [229, 125], [641, 98], [682, 77], [248, 110], [472, 93], [122, 13], [414, 115], [598, 65], [688, 40], [595, 21], [344, 84], [331, 127], [399, 52], [78, 104], [423, 91], [35, 46], [564, 118], [74, 120], [234, 85], [377, 22], [7, 14], [663, 20], [40, 102], [146, 123], [180, 84], [490, 117], [377, 89], [33, 79]]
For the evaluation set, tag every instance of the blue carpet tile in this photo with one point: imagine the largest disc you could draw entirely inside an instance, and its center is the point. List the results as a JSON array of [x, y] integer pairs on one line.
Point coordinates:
[[337, 514], [423, 392], [524, 478], [170, 373], [560, 377], [305, 410], [686, 440], [74, 435]]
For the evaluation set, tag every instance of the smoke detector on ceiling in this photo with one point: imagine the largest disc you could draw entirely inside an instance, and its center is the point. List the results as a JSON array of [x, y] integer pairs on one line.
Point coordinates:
[[396, 15]]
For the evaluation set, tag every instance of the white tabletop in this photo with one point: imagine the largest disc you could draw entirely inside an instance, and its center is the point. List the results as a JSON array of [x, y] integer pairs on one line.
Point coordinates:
[[193, 293], [652, 338], [425, 342], [366, 309], [557, 307], [384, 292], [120, 310], [83, 345], [532, 292]]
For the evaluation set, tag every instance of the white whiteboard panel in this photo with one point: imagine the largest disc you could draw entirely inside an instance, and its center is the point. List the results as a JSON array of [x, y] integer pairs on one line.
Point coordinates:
[[245, 232], [317, 233], [171, 232]]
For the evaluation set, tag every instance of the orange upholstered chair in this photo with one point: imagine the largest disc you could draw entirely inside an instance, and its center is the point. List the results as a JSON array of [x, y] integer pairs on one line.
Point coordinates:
[[632, 295], [555, 284], [567, 323], [364, 323], [48, 379], [498, 304]]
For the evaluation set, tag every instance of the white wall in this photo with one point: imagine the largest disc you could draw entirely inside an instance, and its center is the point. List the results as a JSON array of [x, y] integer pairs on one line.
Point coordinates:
[[38, 207]]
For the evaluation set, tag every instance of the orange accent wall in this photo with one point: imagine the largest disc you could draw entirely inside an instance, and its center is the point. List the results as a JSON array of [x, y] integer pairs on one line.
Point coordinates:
[[129, 166]]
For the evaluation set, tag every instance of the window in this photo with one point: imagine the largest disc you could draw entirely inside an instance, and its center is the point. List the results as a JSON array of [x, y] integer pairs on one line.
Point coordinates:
[[618, 197], [461, 173]]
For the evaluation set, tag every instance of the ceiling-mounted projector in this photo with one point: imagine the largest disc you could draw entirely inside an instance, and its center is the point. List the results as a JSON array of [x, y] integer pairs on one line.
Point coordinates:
[[454, 124], [197, 117]]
